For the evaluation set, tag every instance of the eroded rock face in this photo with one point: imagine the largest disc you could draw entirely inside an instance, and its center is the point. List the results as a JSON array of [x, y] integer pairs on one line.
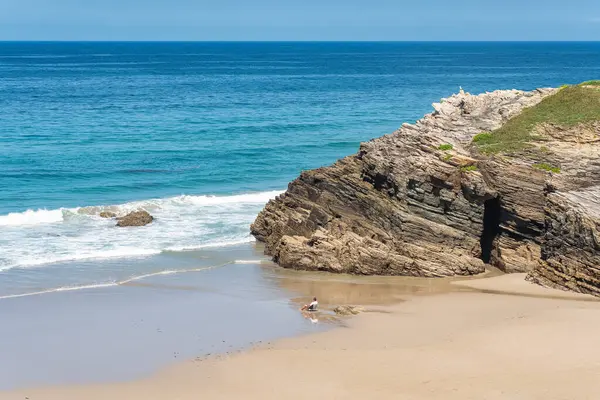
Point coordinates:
[[571, 251], [405, 204], [135, 218], [400, 206]]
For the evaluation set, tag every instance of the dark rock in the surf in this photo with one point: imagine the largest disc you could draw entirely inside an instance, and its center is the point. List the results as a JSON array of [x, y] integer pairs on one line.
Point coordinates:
[[429, 200], [107, 214], [135, 218]]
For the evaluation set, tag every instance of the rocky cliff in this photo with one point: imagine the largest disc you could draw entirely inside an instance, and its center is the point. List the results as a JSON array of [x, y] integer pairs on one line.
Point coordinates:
[[506, 178]]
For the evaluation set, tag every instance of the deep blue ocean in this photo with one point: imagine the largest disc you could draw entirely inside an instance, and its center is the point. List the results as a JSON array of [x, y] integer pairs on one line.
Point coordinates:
[[203, 134]]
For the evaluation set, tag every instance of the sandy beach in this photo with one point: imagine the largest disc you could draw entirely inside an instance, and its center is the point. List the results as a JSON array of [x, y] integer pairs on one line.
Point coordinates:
[[519, 342]]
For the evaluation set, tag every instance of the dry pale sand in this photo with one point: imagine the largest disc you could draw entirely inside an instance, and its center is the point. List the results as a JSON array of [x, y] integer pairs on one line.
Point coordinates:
[[460, 345]]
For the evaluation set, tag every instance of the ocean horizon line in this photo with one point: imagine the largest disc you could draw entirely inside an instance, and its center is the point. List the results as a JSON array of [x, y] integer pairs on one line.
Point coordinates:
[[303, 41]]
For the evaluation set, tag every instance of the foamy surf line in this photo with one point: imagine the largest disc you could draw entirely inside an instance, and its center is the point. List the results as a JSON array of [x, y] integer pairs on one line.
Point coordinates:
[[183, 223], [45, 216], [112, 284], [32, 217], [183, 249], [249, 261], [126, 254], [102, 255]]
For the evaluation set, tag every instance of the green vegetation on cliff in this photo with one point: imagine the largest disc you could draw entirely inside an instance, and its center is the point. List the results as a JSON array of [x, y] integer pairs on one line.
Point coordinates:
[[568, 107], [547, 167], [591, 83], [483, 138]]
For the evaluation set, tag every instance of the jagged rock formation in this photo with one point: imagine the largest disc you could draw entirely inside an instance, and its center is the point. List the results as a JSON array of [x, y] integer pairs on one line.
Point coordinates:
[[571, 251], [135, 218], [425, 201]]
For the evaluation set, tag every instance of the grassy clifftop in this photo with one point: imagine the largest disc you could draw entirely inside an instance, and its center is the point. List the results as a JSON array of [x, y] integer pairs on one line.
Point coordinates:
[[570, 106]]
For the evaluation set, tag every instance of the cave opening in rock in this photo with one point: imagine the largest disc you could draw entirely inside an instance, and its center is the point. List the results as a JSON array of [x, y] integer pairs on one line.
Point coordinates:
[[491, 227]]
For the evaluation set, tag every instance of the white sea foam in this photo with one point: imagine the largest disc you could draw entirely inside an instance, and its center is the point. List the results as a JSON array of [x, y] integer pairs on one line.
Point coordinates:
[[166, 272], [60, 289], [145, 276], [31, 217], [248, 261], [251, 198], [35, 238], [107, 284], [118, 252], [217, 243]]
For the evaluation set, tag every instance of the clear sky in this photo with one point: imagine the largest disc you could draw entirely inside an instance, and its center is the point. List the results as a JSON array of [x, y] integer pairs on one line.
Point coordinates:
[[299, 20]]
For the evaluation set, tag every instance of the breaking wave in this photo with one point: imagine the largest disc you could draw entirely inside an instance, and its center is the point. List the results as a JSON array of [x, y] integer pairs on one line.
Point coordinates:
[[31, 217], [38, 237]]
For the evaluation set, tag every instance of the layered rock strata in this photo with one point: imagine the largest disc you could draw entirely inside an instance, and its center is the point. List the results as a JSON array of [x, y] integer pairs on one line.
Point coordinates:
[[571, 251], [424, 201]]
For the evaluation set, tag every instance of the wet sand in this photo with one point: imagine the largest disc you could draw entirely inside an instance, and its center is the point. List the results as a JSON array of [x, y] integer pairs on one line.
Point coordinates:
[[133, 329], [526, 344], [214, 301]]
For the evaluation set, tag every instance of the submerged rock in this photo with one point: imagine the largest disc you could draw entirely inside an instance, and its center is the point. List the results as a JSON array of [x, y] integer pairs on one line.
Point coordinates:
[[348, 310], [107, 214], [429, 201], [135, 218]]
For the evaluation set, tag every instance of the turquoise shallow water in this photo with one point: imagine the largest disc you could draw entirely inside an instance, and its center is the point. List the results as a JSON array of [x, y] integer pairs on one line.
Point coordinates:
[[167, 126]]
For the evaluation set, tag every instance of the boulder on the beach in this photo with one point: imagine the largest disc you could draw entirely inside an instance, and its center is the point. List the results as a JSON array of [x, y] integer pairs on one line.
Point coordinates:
[[135, 218], [348, 310], [107, 214]]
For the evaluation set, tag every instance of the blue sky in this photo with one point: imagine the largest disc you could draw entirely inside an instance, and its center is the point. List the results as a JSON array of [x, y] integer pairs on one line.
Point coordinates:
[[299, 20]]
